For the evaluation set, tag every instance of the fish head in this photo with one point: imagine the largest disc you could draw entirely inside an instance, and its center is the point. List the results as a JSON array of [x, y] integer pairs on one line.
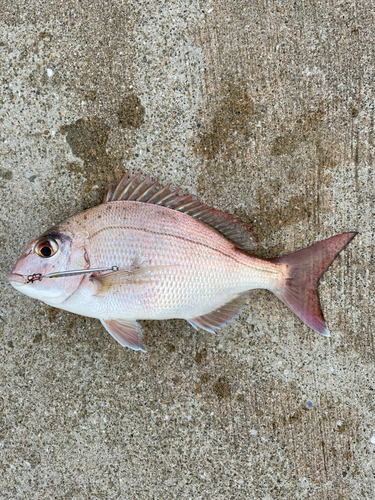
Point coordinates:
[[57, 250]]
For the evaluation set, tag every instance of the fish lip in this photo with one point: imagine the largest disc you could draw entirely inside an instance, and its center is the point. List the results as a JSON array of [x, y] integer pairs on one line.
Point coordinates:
[[16, 279]]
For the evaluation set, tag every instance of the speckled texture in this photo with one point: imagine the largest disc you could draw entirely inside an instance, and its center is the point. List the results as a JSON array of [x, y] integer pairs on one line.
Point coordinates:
[[263, 109]]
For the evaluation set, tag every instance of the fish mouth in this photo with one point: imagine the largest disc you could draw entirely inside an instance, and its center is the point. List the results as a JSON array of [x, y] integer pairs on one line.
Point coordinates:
[[16, 279]]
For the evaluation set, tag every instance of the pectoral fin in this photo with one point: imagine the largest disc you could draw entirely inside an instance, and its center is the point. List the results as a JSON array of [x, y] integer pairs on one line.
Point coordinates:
[[138, 273], [127, 332]]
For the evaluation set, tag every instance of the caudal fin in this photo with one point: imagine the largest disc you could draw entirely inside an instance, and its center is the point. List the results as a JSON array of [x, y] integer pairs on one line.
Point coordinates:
[[299, 290]]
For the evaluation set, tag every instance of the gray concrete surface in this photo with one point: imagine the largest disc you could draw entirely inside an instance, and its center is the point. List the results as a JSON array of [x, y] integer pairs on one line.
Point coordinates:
[[261, 108]]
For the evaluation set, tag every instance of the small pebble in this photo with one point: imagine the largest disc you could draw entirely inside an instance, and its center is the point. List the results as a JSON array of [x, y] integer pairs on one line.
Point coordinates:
[[309, 404]]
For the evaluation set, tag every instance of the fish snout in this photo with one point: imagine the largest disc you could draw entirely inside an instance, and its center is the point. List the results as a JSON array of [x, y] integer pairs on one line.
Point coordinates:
[[16, 279]]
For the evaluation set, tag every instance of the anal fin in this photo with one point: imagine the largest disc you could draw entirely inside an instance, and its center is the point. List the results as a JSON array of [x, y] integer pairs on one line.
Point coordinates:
[[225, 314], [127, 332]]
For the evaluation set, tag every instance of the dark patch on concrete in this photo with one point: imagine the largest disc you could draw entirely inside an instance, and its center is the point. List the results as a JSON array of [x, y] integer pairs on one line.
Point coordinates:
[[52, 312], [231, 121], [295, 417], [171, 347], [37, 338], [266, 222], [309, 130], [6, 174], [312, 119], [200, 356], [88, 138], [285, 144], [222, 388], [131, 112], [197, 390], [309, 127], [91, 95], [44, 34], [342, 427]]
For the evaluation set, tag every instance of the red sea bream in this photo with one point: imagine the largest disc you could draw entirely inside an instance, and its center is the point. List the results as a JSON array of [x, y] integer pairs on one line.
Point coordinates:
[[172, 257]]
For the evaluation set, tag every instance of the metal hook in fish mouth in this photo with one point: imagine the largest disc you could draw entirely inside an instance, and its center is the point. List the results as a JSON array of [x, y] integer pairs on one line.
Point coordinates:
[[62, 274]]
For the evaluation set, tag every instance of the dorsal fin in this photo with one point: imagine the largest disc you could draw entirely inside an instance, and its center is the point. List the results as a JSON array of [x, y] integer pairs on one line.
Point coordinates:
[[136, 189]]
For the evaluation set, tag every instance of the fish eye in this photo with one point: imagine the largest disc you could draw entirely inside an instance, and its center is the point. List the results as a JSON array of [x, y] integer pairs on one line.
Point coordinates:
[[46, 248]]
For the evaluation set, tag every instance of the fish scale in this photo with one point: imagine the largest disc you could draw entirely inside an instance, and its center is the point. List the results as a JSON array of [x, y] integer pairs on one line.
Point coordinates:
[[149, 253]]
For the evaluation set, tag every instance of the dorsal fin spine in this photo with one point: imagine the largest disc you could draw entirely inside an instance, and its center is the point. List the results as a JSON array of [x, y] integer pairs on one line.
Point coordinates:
[[178, 203], [186, 206], [167, 196], [155, 198], [120, 186], [124, 193], [139, 189], [143, 197], [108, 194]]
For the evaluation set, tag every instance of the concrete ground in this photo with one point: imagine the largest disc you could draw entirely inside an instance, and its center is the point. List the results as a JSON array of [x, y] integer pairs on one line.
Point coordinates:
[[264, 109]]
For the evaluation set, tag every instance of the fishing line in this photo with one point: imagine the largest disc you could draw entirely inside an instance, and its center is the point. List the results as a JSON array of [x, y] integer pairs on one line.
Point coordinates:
[[62, 274]]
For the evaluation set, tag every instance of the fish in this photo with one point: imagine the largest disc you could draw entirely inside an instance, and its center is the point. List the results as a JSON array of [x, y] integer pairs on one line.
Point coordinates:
[[150, 253]]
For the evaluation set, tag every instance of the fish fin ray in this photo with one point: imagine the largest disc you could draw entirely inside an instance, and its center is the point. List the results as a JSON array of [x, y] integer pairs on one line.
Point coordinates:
[[139, 272], [108, 195], [224, 314], [127, 332], [116, 195], [305, 267], [143, 191]]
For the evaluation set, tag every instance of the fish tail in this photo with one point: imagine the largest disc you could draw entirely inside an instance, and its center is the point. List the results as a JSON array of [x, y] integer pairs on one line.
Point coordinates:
[[298, 288]]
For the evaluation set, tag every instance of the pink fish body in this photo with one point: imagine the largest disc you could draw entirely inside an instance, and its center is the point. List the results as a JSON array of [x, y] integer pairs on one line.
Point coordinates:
[[176, 258]]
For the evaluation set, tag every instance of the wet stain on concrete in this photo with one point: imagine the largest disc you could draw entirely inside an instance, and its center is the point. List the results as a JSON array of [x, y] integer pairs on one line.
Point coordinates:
[[7, 175], [285, 144], [310, 129], [231, 121], [221, 388], [171, 347], [200, 356], [131, 112], [51, 313], [269, 219], [37, 338], [88, 138]]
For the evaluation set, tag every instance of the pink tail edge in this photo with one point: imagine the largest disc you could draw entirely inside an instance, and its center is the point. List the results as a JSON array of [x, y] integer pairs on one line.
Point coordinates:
[[305, 267]]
